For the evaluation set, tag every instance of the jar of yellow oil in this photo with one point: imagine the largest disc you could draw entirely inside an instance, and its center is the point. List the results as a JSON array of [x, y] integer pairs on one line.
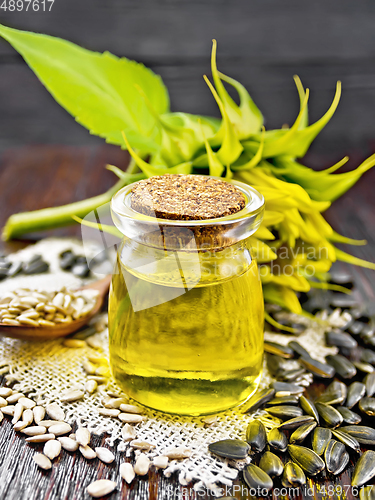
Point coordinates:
[[186, 304]]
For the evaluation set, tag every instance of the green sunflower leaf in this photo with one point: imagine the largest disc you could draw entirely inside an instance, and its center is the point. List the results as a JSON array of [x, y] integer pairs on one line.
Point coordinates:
[[99, 90]]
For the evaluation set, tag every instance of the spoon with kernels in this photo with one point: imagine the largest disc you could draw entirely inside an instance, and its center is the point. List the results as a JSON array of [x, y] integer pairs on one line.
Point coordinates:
[[36, 315]]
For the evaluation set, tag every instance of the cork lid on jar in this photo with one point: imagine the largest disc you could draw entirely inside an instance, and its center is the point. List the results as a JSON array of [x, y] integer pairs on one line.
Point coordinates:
[[186, 197], [187, 212]]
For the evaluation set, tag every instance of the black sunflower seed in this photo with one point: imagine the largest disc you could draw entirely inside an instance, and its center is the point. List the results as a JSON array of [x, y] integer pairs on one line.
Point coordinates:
[[356, 327], [81, 270], [367, 493], [329, 414], [35, 267], [334, 394], [368, 356], [340, 339], [333, 454], [342, 365], [341, 278], [307, 459], [298, 349], [284, 400], [343, 301], [295, 422], [300, 434], [259, 399], [369, 381], [309, 407], [255, 477], [280, 350], [363, 367], [15, 268], [349, 416], [271, 464], [293, 475], [343, 462], [356, 391], [67, 259], [277, 439], [285, 412], [287, 389], [364, 469], [321, 437], [256, 436], [348, 440], [230, 448], [362, 433], [367, 405], [291, 375], [321, 370]]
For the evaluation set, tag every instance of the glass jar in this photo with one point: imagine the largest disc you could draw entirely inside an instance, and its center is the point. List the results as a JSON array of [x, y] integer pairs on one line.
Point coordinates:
[[186, 308]]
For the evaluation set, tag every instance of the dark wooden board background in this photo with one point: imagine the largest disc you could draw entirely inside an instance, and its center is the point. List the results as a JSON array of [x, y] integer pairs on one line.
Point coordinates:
[[263, 43]]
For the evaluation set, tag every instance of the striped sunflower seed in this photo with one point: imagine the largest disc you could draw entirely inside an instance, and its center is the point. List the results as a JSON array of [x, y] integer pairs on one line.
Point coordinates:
[[256, 436], [277, 439], [348, 440], [227, 448], [308, 460], [255, 477], [271, 464], [300, 434], [364, 469], [293, 476]]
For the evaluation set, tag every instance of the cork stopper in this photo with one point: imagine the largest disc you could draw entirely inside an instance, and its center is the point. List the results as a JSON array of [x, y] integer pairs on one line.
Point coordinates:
[[186, 197]]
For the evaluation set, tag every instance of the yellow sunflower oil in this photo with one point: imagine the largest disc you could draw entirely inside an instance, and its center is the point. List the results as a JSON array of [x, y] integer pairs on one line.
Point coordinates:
[[186, 329]]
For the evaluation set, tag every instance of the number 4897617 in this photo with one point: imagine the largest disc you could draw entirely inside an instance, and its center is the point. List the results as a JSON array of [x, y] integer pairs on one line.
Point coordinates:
[[32, 5]]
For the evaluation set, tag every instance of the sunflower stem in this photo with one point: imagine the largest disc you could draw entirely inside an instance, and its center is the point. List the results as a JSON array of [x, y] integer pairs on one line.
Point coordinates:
[[48, 218]]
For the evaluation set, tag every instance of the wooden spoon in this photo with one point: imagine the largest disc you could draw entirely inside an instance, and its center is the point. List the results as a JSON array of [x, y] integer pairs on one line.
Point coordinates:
[[59, 330]]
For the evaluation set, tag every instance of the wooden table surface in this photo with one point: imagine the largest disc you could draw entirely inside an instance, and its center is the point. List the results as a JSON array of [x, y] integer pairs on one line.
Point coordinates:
[[35, 177]]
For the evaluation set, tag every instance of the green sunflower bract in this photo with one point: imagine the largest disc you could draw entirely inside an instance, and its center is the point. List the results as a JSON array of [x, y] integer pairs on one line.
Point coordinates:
[[127, 104]]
